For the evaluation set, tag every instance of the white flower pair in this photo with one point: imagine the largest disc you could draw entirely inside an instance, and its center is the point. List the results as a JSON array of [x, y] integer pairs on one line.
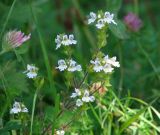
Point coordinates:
[[101, 19], [106, 64], [85, 98], [18, 107], [65, 40], [70, 65], [60, 132]]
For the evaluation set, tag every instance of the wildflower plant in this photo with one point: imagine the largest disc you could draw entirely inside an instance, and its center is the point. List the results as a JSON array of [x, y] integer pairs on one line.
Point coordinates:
[[87, 102]]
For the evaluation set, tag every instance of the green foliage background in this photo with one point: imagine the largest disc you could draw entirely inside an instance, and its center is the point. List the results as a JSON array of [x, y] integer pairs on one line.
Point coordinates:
[[138, 53]]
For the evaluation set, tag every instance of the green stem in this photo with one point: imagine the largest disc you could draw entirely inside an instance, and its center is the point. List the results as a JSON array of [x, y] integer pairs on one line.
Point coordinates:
[[136, 6], [33, 109], [46, 61], [121, 70], [8, 16]]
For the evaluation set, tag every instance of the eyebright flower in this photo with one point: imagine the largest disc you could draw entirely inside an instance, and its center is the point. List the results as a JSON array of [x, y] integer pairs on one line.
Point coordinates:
[[109, 18], [73, 66], [87, 98], [31, 71], [76, 93], [82, 97], [105, 64], [18, 107], [60, 132], [92, 17], [14, 39], [133, 22], [97, 65], [61, 65], [69, 65], [79, 102], [65, 40], [101, 19], [112, 61]]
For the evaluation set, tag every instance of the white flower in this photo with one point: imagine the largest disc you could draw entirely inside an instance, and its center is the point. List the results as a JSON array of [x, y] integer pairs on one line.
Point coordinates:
[[97, 65], [24, 110], [92, 98], [107, 68], [31, 71], [111, 61], [71, 38], [106, 64], [61, 65], [58, 41], [76, 93], [31, 74], [18, 107], [100, 23], [92, 17], [60, 132], [109, 18], [70, 65], [73, 66], [79, 102], [86, 97], [101, 19], [64, 40]]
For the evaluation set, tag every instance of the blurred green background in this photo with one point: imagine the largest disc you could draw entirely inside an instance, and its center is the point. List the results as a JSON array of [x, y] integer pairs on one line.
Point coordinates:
[[138, 53]]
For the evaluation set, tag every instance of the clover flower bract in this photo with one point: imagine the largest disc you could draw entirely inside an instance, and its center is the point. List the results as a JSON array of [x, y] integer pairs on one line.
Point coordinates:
[[14, 39], [18, 107]]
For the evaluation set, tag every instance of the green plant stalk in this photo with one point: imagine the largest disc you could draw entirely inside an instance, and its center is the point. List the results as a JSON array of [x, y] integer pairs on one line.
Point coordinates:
[[110, 119], [136, 10], [121, 70], [7, 19], [95, 114], [49, 72], [33, 109]]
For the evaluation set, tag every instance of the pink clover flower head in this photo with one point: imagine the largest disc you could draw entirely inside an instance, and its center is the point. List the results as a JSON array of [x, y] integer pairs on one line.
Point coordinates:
[[14, 39], [133, 22]]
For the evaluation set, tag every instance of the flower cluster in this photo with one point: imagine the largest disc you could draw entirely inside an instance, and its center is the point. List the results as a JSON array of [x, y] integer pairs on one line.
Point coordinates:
[[69, 65], [85, 97], [18, 107], [101, 19], [13, 39], [65, 40], [105, 64], [31, 71], [133, 22], [60, 132]]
